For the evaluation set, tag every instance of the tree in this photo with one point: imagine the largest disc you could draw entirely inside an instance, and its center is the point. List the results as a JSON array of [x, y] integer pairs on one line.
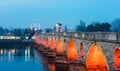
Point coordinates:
[[81, 27], [98, 27], [1, 31], [65, 29], [17, 32], [115, 25], [105, 27], [7, 31], [32, 32], [47, 30], [78, 28], [90, 28], [26, 31]]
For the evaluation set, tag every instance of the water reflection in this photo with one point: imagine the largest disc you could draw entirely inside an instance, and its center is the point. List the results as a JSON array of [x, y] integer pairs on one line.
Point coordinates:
[[26, 58], [27, 54], [12, 53], [20, 59], [51, 67]]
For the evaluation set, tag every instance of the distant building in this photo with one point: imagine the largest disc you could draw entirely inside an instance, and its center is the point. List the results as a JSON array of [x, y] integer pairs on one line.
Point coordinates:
[[59, 27], [35, 26]]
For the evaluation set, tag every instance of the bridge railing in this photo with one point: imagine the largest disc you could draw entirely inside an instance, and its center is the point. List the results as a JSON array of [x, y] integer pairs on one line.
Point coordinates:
[[118, 37], [96, 36]]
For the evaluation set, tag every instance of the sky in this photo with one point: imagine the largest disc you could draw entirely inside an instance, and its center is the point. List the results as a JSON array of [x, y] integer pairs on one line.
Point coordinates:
[[22, 13]]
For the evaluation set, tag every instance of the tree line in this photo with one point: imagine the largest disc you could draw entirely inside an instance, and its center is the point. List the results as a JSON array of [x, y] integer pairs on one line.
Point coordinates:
[[96, 27], [103, 27], [17, 32], [99, 27]]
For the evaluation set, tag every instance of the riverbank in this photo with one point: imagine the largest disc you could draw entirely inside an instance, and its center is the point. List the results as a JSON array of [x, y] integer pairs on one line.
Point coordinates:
[[13, 43]]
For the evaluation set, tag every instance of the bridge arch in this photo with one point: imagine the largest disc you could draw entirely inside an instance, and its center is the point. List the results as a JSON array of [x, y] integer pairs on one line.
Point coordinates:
[[117, 59], [95, 59], [72, 51], [53, 43], [59, 46]]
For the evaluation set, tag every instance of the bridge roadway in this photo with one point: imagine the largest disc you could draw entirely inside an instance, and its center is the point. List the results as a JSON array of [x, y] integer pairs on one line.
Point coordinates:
[[108, 44]]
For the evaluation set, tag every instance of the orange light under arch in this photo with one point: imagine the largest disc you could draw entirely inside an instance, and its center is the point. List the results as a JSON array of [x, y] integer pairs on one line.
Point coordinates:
[[72, 52], [117, 59], [96, 60], [53, 44], [39, 41], [46, 43], [59, 46]]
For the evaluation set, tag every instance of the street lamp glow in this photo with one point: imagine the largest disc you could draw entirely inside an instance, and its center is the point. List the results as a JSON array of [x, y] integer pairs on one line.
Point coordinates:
[[56, 25]]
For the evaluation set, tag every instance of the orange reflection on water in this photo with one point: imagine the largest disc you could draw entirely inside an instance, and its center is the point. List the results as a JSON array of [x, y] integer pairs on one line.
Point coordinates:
[[96, 60], [46, 62], [117, 59], [72, 52], [51, 67]]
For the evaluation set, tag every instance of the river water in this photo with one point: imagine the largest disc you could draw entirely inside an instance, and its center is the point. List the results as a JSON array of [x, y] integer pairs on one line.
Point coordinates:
[[20, 58]]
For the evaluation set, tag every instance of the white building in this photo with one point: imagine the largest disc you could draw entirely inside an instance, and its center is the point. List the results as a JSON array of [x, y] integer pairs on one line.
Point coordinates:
[[59, 27]]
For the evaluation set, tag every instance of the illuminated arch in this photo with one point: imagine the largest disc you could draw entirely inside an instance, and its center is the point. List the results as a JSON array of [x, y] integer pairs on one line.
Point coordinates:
[[117, 59], [59, 46], [72, 52], [95, 59], [53, 44], [46, 43], [81, 50]]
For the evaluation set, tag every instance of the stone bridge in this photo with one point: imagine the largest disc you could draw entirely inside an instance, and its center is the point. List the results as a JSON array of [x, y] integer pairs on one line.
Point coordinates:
[[95, 48]]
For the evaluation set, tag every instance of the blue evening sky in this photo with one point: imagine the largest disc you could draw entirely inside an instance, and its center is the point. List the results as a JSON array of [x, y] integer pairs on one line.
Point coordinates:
[[22, 13]]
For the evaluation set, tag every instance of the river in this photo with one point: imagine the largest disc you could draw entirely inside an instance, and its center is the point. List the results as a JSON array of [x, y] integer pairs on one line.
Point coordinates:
[[20, 58]]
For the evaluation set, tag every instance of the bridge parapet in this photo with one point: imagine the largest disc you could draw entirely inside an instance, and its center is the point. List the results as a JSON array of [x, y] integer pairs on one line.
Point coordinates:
[[95, 36]]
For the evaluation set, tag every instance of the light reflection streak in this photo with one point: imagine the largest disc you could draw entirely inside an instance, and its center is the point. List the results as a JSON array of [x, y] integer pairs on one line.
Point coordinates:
[[13, 51], [7, 54], [10, 54], [4, 51], [9, 57], [1, 51], [27, 54]]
